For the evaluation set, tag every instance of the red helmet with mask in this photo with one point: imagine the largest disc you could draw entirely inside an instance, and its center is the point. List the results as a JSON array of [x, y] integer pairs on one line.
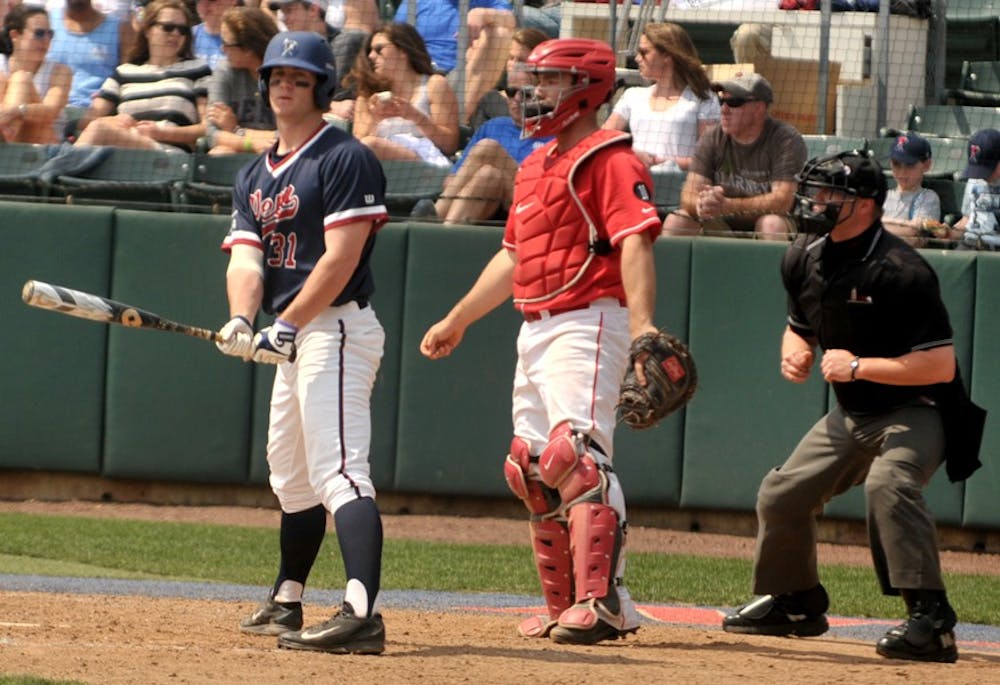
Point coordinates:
[[591, 66]]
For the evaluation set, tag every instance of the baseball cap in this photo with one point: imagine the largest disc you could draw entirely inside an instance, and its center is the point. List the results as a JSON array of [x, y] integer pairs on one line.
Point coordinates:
[[750, 85], [910, 148], [984, 153], [274, 5]]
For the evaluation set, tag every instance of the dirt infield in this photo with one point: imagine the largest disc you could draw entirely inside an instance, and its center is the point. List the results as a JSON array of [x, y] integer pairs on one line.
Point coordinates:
[[97, 639]]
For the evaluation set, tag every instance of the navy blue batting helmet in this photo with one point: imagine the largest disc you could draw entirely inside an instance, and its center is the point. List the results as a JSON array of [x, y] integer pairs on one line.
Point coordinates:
[[301, 50]]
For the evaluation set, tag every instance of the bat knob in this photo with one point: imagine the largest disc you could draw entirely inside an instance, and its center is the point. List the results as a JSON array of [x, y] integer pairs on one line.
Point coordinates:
[[28, 291]]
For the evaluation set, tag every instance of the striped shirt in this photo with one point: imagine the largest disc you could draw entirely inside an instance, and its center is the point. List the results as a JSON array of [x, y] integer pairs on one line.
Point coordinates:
[[151, 92]]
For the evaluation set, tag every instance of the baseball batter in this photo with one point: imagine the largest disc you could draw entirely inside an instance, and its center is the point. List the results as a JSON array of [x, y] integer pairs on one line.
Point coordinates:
[[577, 248], [305, 215]]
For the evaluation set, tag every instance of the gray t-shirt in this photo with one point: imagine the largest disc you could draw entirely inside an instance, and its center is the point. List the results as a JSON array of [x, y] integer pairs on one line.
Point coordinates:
[[238, 88], [922, 203], [748, 170]]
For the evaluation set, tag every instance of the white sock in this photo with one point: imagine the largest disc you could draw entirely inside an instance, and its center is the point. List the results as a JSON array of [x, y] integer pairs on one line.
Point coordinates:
[[289, 591], [357, 595]]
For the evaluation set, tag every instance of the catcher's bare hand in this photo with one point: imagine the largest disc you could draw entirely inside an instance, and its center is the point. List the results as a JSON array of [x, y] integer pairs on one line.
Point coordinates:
[[441, 339], [796, 366], [836, 365]]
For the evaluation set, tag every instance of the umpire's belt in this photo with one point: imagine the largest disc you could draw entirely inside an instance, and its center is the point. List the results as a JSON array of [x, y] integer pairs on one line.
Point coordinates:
[[546, 313]]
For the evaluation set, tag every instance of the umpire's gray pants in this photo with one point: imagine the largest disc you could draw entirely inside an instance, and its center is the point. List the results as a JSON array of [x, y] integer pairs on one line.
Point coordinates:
[[894, 455]]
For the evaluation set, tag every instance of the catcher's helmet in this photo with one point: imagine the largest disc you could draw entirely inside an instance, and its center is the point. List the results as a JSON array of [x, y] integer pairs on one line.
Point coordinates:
[[591, 63], [852, 172], [301, 50]]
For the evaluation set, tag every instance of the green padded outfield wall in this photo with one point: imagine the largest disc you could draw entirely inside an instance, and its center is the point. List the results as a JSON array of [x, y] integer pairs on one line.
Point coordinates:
[[176, 408], [648, 463], [53, 366], [454, 426], [982, 490], [745, 418]]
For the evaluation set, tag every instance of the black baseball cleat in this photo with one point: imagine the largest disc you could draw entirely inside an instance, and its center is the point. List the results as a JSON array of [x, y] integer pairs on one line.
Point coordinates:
[[800, 613], [273, 618], [343, 633], [927, 635]]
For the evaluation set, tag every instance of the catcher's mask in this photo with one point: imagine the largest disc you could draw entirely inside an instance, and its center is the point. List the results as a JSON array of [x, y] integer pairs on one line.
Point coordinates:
[[591, 67], [851, 173]]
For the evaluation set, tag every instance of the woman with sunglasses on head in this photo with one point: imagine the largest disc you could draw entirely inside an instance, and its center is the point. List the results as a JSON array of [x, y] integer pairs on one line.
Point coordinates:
[[238, 118], [156, 100], [33, 89], [667, 118], [403, 109]]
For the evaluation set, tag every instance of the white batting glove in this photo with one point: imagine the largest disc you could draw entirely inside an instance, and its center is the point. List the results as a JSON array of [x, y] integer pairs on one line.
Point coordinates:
[[276, 343], [237, 338]]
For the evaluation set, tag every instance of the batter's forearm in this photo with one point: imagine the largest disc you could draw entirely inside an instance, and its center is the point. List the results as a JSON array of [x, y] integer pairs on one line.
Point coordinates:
[[245, 290]]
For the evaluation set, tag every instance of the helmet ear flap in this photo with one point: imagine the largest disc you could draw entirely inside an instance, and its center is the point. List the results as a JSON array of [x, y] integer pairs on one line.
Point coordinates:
[[326, 88], [262, 85]]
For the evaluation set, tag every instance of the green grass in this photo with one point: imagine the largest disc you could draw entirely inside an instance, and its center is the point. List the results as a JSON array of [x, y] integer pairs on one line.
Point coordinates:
[[31, 680], [57, 545]]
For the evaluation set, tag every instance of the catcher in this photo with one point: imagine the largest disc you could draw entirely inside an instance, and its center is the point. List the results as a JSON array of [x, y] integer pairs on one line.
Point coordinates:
[[577, 247]]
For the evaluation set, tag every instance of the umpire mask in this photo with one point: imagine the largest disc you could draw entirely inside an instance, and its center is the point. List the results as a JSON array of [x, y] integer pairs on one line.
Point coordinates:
[[852, 173]]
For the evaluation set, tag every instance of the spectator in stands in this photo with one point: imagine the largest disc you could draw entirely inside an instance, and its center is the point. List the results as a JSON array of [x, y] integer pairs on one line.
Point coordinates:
[[481, 183], [207, 35], [742, 175], [404, 110], [33, 89], [91, 44], [238, 119], [667, 118], [542, 15], [156, 100], [979, 227], [910, 210]]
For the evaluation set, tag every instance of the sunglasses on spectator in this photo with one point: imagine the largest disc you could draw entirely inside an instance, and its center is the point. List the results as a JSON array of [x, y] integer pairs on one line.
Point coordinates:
[[232, 45], [642, 52], [377, 49], [42, 34], [733, 103], [170, 27], [512, 92]]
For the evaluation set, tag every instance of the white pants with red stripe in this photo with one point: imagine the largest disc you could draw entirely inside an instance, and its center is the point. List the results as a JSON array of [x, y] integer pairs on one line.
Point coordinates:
[[570, 368], [319, 435]]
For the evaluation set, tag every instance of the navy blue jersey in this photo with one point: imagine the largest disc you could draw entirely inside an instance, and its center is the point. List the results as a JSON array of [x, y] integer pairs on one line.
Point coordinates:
[[285, 206]]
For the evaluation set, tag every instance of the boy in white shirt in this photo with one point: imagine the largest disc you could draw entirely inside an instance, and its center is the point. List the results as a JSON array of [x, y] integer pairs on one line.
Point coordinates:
[[910, 210]]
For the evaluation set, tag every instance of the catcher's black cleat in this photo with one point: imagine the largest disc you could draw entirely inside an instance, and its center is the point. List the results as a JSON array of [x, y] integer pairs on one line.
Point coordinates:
[[344, 633], [273, 618], [799, 613], [927, 635], [599, 632]]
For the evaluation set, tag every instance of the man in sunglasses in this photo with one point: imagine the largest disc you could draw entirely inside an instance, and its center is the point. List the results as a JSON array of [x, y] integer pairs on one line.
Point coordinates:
[[742, 175]]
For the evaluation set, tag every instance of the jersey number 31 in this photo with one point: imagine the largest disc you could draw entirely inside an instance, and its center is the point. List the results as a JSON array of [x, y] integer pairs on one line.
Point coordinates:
[[282, 251]]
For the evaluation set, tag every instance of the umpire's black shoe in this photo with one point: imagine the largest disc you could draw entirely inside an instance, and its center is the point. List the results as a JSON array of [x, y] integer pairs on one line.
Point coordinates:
[[927, 635], [344, 633], [273, 618], [798, 613]]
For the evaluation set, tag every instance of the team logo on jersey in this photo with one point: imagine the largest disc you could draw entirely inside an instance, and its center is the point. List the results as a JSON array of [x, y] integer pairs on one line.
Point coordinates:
[[642, 192], [289, 47], [270, 210]]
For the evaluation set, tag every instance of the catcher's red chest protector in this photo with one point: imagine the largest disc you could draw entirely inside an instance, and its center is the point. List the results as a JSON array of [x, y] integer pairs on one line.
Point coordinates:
[[552, 228]]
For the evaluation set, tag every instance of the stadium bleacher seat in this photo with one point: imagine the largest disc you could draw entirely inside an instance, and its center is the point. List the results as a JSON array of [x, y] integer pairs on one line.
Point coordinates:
[[130, 177], [948, 121], [972, 34], [211, 180], [408, 182], [19, 166], [979, 86], [818, 145], [667, 190]]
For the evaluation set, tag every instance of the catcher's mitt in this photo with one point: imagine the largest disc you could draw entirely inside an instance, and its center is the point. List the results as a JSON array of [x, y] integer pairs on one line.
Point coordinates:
[[671, 379]]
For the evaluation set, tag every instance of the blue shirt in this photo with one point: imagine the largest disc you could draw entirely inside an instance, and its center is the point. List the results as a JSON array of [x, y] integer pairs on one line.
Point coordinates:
[[506, 132], [284, 206], [91, 56], [207, 46], [437, 23]]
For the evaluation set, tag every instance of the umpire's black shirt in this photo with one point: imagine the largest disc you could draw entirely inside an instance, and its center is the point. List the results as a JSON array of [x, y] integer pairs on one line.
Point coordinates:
[[872, 295]]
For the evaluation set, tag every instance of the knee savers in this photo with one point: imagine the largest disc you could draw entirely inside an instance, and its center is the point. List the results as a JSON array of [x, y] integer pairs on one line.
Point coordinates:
[[566, 465], [517, 472]]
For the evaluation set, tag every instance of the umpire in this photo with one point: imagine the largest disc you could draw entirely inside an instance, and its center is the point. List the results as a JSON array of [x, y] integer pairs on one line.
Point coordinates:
[[872, 305]]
